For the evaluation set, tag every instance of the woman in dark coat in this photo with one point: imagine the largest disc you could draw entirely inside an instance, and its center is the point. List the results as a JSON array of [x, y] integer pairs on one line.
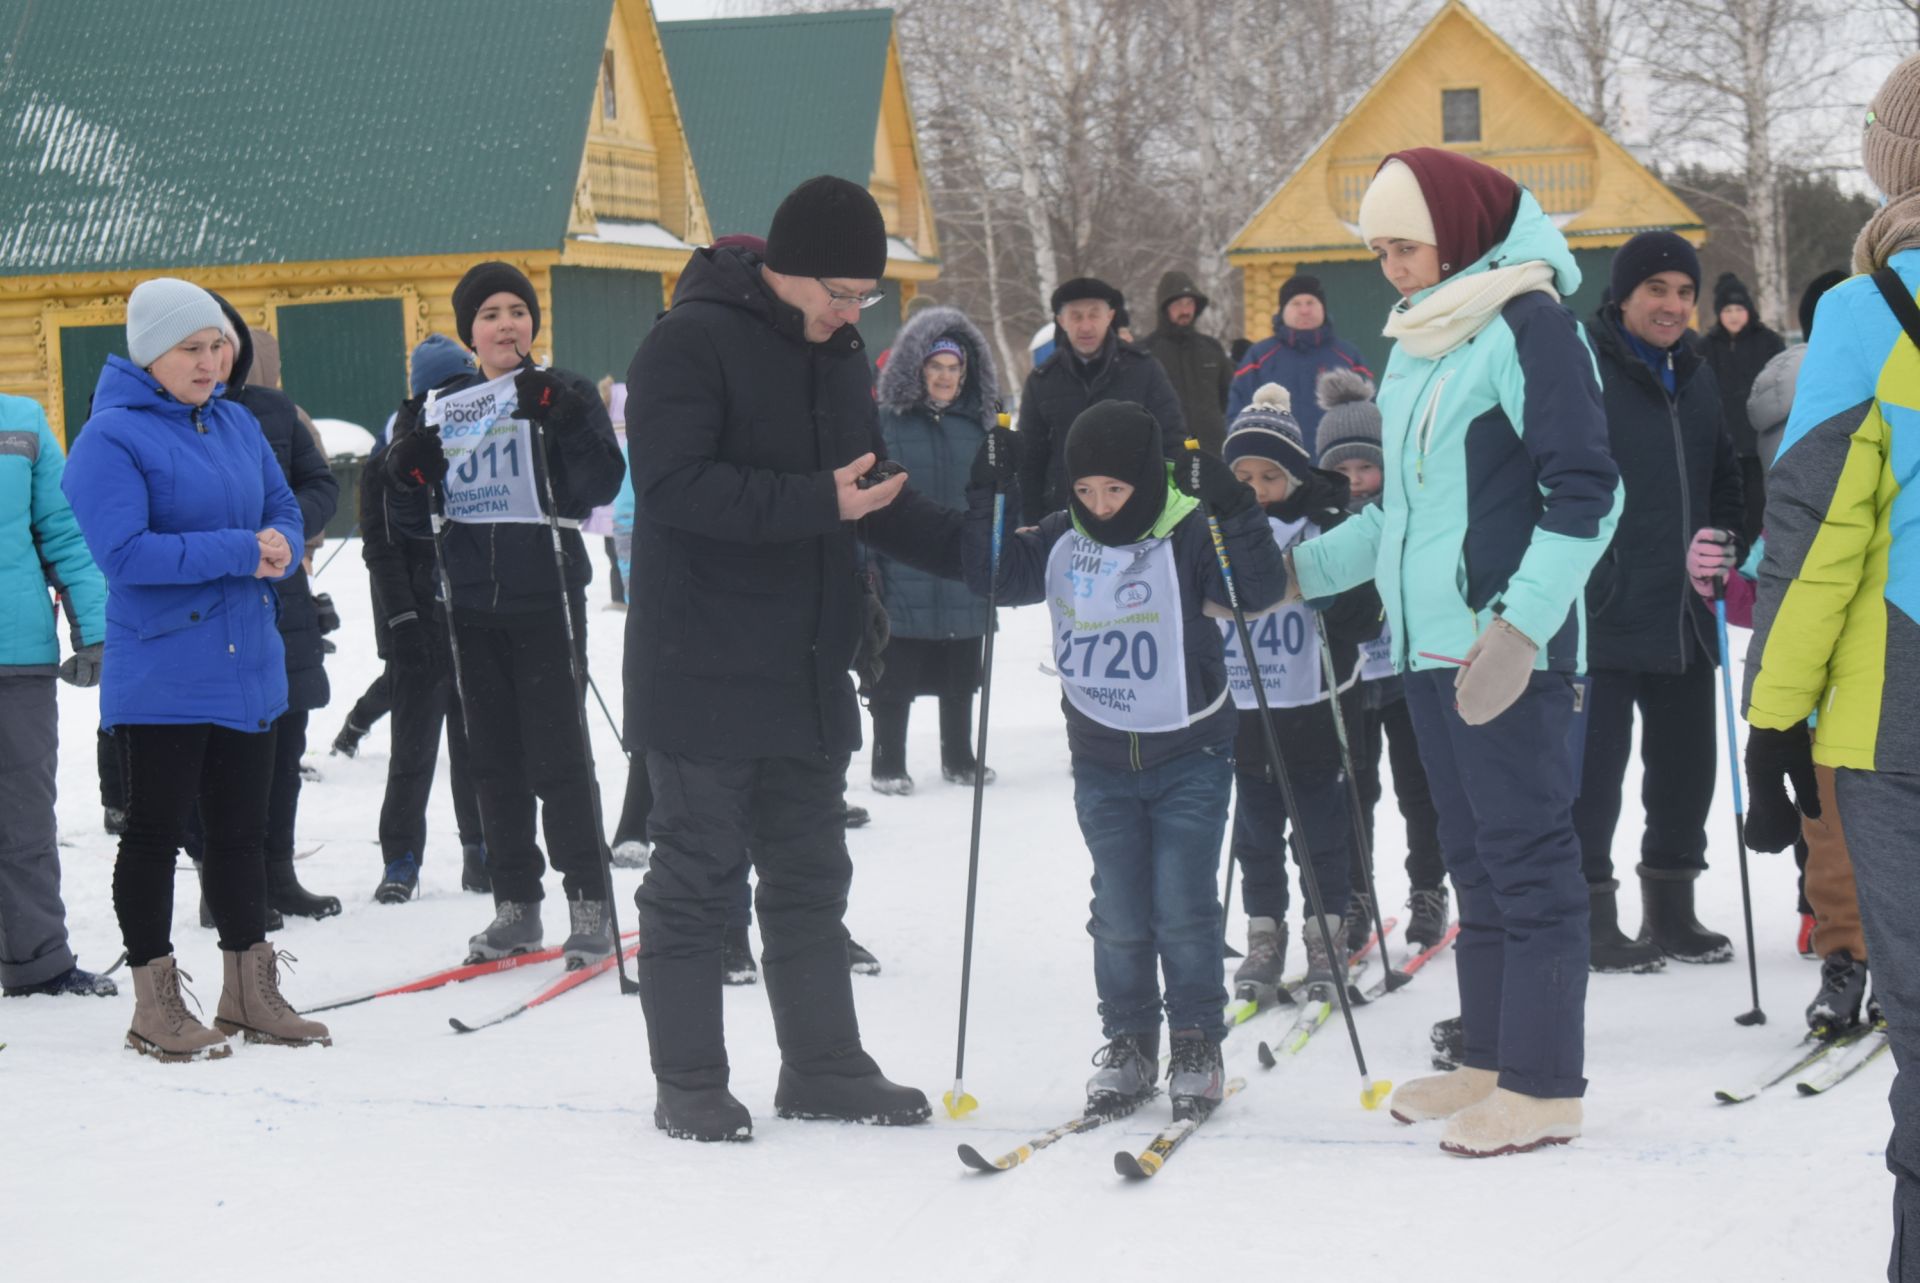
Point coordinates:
[[936, 396]]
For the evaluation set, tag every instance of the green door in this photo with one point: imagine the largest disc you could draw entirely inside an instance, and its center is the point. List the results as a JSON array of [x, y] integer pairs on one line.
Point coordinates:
[[881, 322], [345, 360], [83, 354], [599, 317]]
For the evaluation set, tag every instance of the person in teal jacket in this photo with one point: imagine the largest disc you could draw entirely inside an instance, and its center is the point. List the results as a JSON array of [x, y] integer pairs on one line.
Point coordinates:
[[40, 549], [1500, 497]]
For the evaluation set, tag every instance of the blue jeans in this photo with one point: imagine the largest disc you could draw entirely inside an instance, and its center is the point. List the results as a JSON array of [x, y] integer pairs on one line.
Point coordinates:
[[1155, 840]]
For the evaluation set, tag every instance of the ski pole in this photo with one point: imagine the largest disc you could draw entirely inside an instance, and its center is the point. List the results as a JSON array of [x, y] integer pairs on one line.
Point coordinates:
[[1356, 808], [1371, 1092], [608, 714], [1756, 1016], [575, 669], [336, 552], [1226, 907], [959, 1104]]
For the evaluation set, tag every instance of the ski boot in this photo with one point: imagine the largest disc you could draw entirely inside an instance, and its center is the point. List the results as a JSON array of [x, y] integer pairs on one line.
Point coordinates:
[[114, 820], [852, 1090], [515, 929], [857, 817], [1609, 950], [1196, 1076], [591, 939], [285, 895], [347, 742], [736, 959], [1128, 1068], [859, 961], [1428, 925], [72, 982], [1321, 967], [1357, 926], [900, 785], [703, 1114], [1668, 920], [1257, 978], [162, 1026], [1449, 1043], [632, 854], [473, 868], [252, 1005], [1843, 985], [400, 882], [1506, 1122]]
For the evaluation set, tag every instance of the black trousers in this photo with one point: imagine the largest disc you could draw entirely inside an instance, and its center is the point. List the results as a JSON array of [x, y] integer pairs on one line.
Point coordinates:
[[283, 795], [890, 733], [1391, 726], [1753, 482], [525, 744], [712, 817], [637, 805], [374, 703], [170, 770], [1679, 761], [420, 706]]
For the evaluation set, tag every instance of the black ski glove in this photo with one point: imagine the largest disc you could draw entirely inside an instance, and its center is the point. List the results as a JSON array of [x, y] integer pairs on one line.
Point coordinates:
[[415, 458], [407, 645], [1773, 759], [544, 397], [997, 464], [1207, 478]]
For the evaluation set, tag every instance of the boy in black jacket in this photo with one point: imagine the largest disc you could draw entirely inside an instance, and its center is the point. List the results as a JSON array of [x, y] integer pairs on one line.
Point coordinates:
[[1129, 574]]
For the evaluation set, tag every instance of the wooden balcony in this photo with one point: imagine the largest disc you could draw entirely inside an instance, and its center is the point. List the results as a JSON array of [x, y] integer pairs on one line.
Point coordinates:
[[1561, 178], [625, 181]]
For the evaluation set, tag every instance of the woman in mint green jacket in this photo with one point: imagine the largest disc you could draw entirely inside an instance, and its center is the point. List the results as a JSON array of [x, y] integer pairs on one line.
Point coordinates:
[[1500, 496]]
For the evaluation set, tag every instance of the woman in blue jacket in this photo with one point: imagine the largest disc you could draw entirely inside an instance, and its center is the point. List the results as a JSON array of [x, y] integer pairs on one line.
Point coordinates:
[[186, 511], [1500, 496]]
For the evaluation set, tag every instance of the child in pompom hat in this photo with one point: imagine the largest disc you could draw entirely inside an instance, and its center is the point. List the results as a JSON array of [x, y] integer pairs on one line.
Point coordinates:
[[1131, 578], [1265, 450]]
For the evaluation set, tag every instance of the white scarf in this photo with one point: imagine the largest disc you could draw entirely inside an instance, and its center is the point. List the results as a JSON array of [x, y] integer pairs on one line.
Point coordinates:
[[1461, 308]]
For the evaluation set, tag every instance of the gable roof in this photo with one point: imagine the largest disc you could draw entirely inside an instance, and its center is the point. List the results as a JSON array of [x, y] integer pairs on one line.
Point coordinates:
[[1597, 192], [182, 133], [770, 102]]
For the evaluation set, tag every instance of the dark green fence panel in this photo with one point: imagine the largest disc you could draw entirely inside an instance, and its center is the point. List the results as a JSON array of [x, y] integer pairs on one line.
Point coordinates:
[[599, 317], [83, 353]]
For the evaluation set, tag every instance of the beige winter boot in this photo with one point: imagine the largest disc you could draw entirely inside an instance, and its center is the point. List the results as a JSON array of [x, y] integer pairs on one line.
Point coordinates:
[[1442, 1095], [162, 1026], [1508, 1123], [251, 1003]]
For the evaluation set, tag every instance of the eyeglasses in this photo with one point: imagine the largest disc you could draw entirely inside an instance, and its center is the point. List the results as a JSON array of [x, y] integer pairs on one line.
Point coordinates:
[[850, 302]]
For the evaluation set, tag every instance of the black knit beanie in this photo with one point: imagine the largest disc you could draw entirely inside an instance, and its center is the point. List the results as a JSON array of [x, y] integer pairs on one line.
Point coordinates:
[[1119, 439], [828, 226], [1649, 254], [1730, 290], [1297, 285], [482, 282]]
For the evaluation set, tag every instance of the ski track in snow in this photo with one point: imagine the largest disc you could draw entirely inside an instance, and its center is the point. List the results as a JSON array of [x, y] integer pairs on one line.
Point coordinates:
[[408, 1152]]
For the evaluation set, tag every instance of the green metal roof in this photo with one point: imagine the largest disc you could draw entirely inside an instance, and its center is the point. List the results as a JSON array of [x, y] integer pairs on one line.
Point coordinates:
[[770, 102], [181, 133]]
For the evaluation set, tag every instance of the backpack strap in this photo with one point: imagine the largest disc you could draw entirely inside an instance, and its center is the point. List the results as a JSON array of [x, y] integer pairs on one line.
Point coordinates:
[[1894, 290]]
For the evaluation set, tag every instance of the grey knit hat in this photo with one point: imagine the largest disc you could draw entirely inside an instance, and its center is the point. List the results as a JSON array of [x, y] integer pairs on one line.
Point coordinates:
[[164, 310], [1266, 429], [1890, 147], [1350, 428]]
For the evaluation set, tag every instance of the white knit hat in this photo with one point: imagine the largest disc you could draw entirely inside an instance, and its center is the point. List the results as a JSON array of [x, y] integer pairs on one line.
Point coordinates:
[[164, 310], [1396, 208]]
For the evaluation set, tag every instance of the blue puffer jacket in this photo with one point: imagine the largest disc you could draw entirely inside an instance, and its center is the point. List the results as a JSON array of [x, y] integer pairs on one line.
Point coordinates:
[[1295, 359], [937, 448], [1500, 492], [169, 497], [40, 546]]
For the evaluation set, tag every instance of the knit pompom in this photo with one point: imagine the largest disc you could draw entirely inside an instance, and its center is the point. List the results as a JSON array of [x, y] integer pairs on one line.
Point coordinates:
[[1274, 395], [1340, 387]]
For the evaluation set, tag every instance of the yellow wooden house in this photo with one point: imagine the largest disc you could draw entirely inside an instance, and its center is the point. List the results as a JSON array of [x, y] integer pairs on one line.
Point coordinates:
[[1457, 85], [332, 170]]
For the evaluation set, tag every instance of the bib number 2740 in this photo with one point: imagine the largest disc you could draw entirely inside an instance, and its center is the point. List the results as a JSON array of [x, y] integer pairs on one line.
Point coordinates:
[[1116, 655]]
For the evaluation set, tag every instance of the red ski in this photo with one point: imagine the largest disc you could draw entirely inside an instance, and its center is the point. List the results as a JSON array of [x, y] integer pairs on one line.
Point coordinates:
[[550, 990], [1417, 961], [448, 976]]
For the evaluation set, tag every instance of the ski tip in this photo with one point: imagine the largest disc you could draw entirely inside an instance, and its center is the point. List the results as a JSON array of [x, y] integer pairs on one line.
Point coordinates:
[[1241, 1012], [977, 1161], [959, 1104], [1267, 1060], [1136, 1167], [1373, 1093], [1806, 1089], [459, 1026], [1396, 980], [1726, 1097]]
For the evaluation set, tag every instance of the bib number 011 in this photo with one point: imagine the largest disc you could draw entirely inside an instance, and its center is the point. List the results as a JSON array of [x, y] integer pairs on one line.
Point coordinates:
[[491, 455], [1115, 655]]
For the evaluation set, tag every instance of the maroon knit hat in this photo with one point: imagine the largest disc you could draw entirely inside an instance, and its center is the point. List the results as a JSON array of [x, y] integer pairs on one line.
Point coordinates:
[[1472, 204]]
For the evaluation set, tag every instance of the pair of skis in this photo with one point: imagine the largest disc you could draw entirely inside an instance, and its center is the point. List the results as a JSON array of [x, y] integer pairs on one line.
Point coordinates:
[[1245, 1009], [1817, 1063], [547, 991]]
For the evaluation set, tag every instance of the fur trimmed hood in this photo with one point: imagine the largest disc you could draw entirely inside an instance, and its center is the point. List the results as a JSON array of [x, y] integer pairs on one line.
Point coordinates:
[[901, 386]]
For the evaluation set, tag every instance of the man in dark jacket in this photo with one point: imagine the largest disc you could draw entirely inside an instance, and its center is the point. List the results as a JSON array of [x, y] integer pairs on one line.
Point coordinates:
[[751, 426], [1195, 363], [1303, 347], [1738, 347], [318, 492], [1651, 641], [1093, 364], [396, 542]]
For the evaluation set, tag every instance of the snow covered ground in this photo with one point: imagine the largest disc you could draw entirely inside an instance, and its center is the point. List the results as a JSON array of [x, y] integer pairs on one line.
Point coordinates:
[[409, 1152]]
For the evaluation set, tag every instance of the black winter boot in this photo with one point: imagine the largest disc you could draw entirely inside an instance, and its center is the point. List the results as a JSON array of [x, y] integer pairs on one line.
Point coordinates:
[[823, 1071], [1609, 950], [1843, 986], [849, 1089], [704, 1114], [286, 895], [1449, 1043], [687, 1045], [1668, 921]]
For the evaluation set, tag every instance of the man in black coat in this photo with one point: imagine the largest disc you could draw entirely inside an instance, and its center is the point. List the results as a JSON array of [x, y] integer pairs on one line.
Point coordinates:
[[1651, 641], [1091, 363], [311, 479], [1196, 365], [751, 425]]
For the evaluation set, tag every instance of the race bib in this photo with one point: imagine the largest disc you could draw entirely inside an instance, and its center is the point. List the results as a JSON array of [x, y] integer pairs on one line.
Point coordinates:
[[489, 454], [1283, 644], [1119, 637]]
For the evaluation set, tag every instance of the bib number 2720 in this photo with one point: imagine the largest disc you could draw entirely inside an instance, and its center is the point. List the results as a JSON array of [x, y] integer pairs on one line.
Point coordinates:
[[1115, 654]]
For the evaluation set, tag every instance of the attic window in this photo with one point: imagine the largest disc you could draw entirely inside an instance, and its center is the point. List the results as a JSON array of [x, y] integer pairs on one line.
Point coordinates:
[[609, 102], [1460, 115]]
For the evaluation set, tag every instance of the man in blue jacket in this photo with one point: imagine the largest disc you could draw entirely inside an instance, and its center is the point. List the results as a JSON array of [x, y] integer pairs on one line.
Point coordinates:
[[1303, 347], [40, 547]]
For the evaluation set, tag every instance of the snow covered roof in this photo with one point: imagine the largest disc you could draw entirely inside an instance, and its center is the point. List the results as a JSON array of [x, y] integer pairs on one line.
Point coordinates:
[[178, 133], [645, 235]]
